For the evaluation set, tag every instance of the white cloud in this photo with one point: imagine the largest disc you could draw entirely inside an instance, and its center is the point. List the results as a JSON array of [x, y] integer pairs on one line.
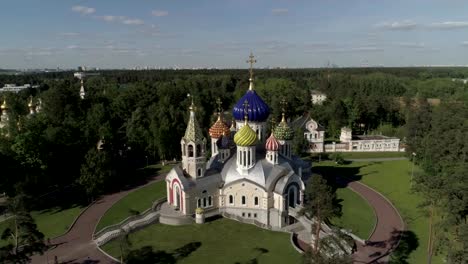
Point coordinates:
[[72, 47], [398, 25], [84, 10], [159, 13], [411, 45], [449, 25], [109, 18], [280, 11], [133, 21]]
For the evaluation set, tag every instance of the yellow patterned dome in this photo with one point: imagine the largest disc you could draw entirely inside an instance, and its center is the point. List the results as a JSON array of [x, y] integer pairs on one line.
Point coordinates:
[[245, 136]]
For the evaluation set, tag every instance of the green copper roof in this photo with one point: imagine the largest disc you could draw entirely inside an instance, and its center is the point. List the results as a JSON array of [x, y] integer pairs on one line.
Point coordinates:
[[283, 131], [245, 136], [193, 132]]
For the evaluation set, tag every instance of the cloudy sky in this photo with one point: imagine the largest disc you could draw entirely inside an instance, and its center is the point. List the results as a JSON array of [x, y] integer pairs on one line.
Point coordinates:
[[221, 33]]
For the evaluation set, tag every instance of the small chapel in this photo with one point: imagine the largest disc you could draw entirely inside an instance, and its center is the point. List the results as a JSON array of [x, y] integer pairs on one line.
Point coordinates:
[[250, 174]]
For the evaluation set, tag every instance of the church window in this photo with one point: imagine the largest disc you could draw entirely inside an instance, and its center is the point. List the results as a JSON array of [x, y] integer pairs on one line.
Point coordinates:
[[243, 214], [243, 200], [248, 215], [190, 150], [244, 156], [199, 172], [204, 202], [231, 199], [248, 159], [204, 191], [256, 200], [210, 201], [255, 215], [199, 149], [198, 203]]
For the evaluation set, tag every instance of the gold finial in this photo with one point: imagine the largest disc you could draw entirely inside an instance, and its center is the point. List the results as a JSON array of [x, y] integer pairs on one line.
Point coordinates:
[[4, 105], [30, 104], [233, 124], [220, 109], [283, 104], [246, 110], [251, 61], [192, 105]]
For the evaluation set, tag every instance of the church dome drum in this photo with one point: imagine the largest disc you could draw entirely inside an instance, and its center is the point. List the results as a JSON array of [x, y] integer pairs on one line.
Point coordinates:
[[257, 110], [245, 137], [224, 142]]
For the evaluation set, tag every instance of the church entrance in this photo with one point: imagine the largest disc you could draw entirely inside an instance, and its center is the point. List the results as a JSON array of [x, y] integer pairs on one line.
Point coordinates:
[[177, 197]]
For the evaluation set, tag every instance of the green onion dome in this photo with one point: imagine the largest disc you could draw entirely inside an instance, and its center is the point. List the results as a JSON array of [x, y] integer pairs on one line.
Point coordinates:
[[245, 136], [283, 131]]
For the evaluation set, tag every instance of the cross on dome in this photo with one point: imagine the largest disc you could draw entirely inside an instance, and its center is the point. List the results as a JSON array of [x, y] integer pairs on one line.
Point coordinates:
[[251, 61], [246, 110]]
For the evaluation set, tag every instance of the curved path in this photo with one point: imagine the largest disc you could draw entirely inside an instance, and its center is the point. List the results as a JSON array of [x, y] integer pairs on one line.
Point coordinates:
[[77, 246], [389, 225]]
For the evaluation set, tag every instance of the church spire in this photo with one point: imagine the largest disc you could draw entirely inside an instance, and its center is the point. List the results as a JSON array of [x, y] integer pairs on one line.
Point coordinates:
[[251, 61], [193, 131], [82, 90]]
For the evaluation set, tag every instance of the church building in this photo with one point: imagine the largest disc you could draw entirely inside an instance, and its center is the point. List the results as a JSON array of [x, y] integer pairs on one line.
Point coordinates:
[[250, 175]]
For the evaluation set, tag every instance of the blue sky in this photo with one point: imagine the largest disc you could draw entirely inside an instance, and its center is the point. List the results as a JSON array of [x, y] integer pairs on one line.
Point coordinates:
[[221, 33]]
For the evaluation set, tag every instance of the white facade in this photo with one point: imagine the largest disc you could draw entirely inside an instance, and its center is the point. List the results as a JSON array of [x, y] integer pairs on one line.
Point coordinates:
[[16, 88], [317, 97]]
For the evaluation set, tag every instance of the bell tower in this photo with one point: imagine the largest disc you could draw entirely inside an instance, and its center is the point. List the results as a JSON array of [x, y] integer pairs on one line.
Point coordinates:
[[193, 146]]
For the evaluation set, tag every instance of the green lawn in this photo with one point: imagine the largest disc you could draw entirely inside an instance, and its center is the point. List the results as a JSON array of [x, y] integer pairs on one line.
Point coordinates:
[[357, 215], [392, 179], [222, 241], [52, 222], [136, 201], [372, 155]]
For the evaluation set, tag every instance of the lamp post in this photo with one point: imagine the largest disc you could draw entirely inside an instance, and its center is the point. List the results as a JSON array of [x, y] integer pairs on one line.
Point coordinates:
[[412, 168]]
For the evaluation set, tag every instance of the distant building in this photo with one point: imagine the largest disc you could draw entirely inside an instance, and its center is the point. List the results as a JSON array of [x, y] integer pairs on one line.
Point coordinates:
[[16, 88], [317, 97], [315, 135]]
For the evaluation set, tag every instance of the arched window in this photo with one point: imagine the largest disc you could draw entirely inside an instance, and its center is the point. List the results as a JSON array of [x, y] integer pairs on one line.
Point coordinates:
[[198, 203], [210, 202], [204, 202], [243, 200], [256, 200], [190, 150], [231, 199], [199, 172], [199, 150]]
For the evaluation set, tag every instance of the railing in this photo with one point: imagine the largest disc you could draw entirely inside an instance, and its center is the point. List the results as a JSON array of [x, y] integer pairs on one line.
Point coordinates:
[[119, 227]]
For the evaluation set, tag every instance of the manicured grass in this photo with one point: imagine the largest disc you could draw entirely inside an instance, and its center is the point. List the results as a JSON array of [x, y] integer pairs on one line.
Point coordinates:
[[357, 215], [392, 179], [52, 222], [136, 201], [372, 155], [222, 241]]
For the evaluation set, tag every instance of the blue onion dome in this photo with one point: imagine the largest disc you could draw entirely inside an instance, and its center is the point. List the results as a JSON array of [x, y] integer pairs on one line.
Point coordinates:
[[224, 142], [283, 131], [257, 109]]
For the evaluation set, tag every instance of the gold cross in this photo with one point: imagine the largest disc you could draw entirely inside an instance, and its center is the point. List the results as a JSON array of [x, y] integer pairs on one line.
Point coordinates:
[[251, 61], [219, 103], [246, 108]]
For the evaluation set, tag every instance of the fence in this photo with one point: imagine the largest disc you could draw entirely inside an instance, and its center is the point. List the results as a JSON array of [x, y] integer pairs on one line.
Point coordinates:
[[131, 223]]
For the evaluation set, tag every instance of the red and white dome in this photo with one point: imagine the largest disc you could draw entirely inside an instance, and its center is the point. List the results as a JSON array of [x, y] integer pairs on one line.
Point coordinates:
[[219, 128], [272, 143]]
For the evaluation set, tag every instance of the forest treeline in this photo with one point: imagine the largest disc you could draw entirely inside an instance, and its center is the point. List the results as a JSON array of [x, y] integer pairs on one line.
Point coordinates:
[[129, 118]]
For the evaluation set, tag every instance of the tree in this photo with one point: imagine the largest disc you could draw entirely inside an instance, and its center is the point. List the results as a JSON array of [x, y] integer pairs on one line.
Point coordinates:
[[319, 205], [96, 171], [23, 237]]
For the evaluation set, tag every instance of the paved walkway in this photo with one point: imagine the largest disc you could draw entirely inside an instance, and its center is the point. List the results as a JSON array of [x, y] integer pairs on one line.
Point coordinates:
[[386, 234], [77, 246]]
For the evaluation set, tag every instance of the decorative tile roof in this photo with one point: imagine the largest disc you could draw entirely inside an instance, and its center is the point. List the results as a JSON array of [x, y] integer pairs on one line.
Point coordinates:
[[245, 136], [193, 131], [219, 128]]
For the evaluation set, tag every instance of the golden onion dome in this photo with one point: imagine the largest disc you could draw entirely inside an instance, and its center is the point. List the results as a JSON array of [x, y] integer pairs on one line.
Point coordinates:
[[283, 131], [4, 105], [245, 136], [219, 128]]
